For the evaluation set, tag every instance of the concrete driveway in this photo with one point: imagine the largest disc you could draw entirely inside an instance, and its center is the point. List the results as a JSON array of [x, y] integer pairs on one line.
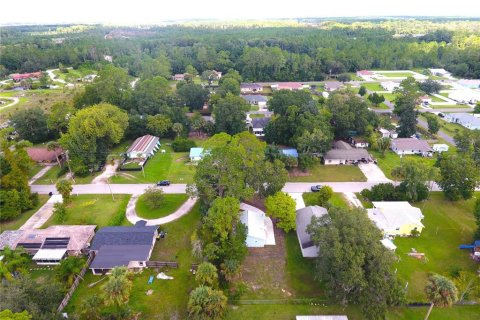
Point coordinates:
[[297, 196], [373, 172], [42, 215]]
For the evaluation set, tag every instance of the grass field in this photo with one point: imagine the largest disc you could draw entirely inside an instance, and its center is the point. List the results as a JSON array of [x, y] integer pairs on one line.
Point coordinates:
[[170, 203], [395, 74], [321, 173], [447, 225], [392, 160], [72, 75], [24, 216], [389, 96], [289, 311], [449, 106], [444, 94], [173, 166], [169, 298], [52, 176], [43, 98], [97, 209], [381, 106], [373, 86], [337, 199], [436, 99], [257, 115]]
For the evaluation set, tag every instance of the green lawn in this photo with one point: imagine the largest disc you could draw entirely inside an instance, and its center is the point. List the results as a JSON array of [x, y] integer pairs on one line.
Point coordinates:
[[395, 74], [337, 199], [445, 94], [98, 209], [257, 115], [449, 106], [392, 160], [447, 225], [170, 203], [53, 175], [254, 108], [373, 86], [436, 99], [24, 216], [170, 297], [321, 173], [389, 96], [300, 271], [289, 311], [381, 106], [34, 170], [173, 166]]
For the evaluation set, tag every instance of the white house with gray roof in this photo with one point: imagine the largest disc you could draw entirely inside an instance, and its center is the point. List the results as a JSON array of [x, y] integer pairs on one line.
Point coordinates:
[[408, 146], [256, 100], [465, 119], [302, 220]]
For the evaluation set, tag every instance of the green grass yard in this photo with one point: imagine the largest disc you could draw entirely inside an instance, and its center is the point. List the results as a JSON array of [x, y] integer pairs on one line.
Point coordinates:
[[447, 225], [24, 216], [389, 96], [170, 203], [337, 199], [321, 173], [373, 86], [392, 160], [395, 74], [170, 297], [449, 106], [97, 209], [289, 311], [257, 115]]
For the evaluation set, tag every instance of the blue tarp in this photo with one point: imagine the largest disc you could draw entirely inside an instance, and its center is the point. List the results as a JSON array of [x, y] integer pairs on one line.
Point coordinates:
[[290, 152]]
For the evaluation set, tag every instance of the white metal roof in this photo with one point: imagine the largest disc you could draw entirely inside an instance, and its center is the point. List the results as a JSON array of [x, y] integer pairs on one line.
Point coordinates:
[[391, 215], [388, 244], [255, 222], [49, 254]]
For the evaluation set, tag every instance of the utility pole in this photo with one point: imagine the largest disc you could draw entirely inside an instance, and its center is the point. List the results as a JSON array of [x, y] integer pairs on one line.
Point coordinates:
[[109, 187], [68, 164]]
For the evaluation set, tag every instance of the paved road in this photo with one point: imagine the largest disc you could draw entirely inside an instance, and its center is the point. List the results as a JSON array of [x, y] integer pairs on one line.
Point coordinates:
[[422, 123]]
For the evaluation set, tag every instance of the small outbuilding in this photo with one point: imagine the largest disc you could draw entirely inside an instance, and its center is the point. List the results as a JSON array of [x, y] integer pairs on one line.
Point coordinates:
[[302, 220], [440, 147], [196, 154], [259, 227]]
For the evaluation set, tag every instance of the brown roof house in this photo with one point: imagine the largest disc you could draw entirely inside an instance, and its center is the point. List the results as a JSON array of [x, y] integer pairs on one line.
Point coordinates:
[[403, 146], [50, 245], [43, 155]]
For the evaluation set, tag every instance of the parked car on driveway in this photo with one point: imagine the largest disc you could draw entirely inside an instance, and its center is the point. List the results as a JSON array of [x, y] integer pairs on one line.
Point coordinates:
[[316, 188], [163, 183]]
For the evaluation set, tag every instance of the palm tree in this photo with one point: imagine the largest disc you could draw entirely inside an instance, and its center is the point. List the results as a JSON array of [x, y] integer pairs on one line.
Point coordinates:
[[177, 128], [441, 291], [68, 269], [14, 262], [53, 146], [383, 144], [207, 274], [206, 303], [118, 287]]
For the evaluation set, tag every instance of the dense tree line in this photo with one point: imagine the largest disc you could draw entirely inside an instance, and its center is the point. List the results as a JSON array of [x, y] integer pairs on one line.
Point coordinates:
[[300, 53]]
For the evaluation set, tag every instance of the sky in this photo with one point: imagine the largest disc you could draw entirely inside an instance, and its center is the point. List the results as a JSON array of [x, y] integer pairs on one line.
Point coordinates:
[[122, 12]]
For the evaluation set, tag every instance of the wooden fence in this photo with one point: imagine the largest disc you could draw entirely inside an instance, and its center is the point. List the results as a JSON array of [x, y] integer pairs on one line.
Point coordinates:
[[158, 264], [76, 283]]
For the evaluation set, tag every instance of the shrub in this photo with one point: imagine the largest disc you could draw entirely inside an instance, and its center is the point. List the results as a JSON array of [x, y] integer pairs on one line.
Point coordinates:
[[183, 145], [153, 197], [306, 161], [381, 192], [60, 211]]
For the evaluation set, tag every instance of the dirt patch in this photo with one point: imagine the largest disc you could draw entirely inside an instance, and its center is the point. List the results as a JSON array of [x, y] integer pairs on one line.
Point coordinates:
[[181, 159], [264, 271], [258, 203], [295, 172]]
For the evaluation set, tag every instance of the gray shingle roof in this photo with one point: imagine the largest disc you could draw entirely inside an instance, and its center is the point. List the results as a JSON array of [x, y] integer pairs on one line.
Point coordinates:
[[122, 236], [350, 155], [258, 123], [411, 144], [254, 97], [111, 256], [303, 219]]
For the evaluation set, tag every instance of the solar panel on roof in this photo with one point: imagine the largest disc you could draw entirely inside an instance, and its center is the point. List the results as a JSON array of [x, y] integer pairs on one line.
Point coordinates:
[[55, 243]]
